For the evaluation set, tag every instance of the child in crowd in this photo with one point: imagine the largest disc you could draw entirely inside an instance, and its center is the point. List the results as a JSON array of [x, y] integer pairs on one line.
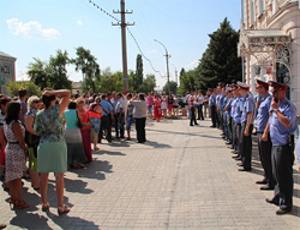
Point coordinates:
[[95, 114]]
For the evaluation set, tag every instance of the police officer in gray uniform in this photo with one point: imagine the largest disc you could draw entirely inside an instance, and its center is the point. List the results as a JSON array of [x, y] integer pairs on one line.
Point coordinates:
[[247, 116], [282, 124], [264, 147]]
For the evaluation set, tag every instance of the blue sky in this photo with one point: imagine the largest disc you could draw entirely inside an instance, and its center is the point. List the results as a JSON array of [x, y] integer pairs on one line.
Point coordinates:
[[37, 28]]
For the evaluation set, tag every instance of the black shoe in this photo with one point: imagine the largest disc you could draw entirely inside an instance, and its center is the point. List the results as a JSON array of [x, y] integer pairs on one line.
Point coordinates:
[[238, 159], [235, 157], [240, 164], [266, 188], [191, 125], [283, 211], [271, 201], [264, 181], [228, 143], [244, 170]]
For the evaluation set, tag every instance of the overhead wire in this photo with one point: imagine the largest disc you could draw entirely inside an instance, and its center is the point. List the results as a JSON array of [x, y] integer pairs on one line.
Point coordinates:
[[101, 9]]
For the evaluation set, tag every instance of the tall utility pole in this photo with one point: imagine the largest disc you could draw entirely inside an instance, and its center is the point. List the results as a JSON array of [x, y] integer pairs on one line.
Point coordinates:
[[123, 24], [168, 56]]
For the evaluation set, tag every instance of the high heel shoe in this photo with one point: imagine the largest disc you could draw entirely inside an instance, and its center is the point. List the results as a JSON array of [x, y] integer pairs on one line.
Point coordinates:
[[45, 208], [63, 210]]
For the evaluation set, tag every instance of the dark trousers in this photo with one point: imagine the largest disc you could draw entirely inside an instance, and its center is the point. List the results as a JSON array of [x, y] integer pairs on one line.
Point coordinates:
[[193, 120], [218, 119], [106, 123], [140, 124], [200, 112], [230, 131], [236, 137], [246, 147], [120, 124], [282, 167], [265, 155], [213, 112]]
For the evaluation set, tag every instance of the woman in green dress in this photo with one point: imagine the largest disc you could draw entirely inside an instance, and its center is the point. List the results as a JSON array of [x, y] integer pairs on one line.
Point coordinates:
[[52, 148]]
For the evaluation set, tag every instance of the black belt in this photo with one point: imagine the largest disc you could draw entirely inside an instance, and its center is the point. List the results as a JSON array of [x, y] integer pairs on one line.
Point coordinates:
[[13, 142]]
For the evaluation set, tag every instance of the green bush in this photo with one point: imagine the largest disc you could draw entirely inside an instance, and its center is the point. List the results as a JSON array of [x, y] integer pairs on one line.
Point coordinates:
[[14, 86]]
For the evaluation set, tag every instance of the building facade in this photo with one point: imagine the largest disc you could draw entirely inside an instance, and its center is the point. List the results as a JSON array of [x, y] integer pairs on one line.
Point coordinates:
[[270, 43], [7, 70]]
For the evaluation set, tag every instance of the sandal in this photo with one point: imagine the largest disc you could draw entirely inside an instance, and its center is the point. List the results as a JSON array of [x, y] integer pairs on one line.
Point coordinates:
[[2, 226], [63, 210]]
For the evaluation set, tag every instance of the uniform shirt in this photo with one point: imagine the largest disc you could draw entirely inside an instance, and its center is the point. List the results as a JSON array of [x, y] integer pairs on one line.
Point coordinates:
[[212, 100], [223, 102], [247, 107], [263, 113], [228, 105], [218, 101], [237, 110], [280, 134], [233, 106]]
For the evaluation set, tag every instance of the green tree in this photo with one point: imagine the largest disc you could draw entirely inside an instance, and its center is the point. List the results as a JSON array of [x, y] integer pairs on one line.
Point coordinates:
[[187, 81], [110, 82], [57, 68], [172, 86], [219, 62], [87, 64], [139, 74], [37, 71], [149, 84], [14, 86]]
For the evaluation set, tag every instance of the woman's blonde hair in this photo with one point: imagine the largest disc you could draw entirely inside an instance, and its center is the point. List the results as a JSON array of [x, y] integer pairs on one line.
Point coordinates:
[[31, 100]]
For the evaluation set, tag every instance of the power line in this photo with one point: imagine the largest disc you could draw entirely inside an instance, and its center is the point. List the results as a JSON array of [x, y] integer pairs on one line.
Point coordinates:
[[142, 53], [104, 11], [130, 33]]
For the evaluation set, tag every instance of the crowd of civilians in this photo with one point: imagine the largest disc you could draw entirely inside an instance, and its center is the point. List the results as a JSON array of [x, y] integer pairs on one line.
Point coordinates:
[[58, 132]]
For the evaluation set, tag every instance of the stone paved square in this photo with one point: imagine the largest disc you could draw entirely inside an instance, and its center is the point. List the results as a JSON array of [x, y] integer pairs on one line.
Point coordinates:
[[182, 178]]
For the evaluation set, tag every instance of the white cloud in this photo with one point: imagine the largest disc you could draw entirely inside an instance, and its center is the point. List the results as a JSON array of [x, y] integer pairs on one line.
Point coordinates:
[[31, 28], [79, 22]]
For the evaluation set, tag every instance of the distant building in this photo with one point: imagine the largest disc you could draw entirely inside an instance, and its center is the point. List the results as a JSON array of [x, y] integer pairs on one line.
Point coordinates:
[[76, 87], [270, 43], [7, 70]]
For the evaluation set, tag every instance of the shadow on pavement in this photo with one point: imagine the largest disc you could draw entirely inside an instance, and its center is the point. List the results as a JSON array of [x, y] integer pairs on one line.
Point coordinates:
[[77, 186], [69, 222], [184, 133], [105, 152], [157, 145], [295, 211], [95, 170], [26, 220]]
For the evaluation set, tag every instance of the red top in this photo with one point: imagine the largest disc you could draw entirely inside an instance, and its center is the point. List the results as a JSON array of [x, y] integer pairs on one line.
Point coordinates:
[[85, 120]]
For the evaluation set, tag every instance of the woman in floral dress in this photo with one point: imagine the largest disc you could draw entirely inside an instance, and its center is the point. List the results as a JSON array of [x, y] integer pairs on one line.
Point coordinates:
[[15, 154], [52, 148]]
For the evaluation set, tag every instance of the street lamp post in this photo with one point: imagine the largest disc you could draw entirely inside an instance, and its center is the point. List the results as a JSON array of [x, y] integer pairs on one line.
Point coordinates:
[[167, 55]]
